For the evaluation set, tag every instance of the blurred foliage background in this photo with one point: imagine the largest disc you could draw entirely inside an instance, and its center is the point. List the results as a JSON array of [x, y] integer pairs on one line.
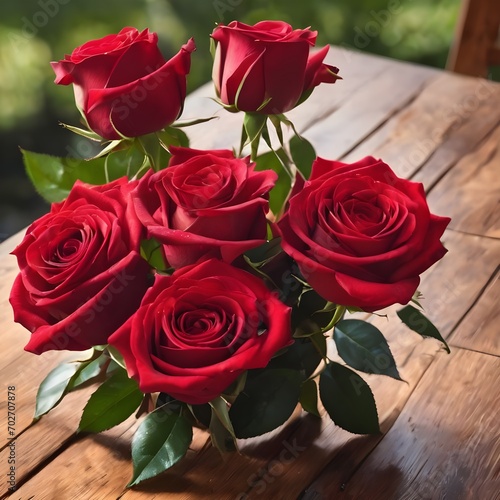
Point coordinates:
[[35, 32]]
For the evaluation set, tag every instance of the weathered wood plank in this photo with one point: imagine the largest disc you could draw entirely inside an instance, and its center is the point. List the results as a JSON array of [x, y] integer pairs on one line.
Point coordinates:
[[423, 126], [450, 288], [443, 445], [445, 122], [361, 76], [367, 108], [479, 331], [270, 469], [21, 369], [99, 467], [45, 439], [78, 472], [470, 192]]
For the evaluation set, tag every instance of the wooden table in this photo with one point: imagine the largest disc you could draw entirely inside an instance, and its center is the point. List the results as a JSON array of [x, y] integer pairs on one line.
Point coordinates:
[[440, 429]]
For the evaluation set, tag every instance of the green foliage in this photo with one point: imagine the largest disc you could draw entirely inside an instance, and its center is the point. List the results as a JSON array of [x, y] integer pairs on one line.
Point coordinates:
[[309, 397], [268, 400], [363, 347], [220, 427], [417, 322], [112, 403], [54, 177], [348, 400], [161, 440], [53, 388]]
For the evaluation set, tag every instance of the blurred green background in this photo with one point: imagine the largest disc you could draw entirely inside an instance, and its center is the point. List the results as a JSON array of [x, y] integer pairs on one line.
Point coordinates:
[[35, 32]]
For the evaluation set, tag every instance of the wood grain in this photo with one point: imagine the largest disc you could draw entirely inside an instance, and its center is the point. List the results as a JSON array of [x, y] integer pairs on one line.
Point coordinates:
[[443, 445], [479, 331], [470, 192], [440, 431]]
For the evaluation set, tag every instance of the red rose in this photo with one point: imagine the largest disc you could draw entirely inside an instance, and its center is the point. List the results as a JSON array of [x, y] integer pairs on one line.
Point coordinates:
[[81, 273], [199, 329], [205, 204], [269, 60], [360, 235], [122, 83]]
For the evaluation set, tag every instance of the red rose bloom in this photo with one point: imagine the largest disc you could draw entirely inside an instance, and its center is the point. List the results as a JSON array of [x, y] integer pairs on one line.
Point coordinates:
[[199, 329], [205, 204], [266, 61], [360, 235], [123, 84], [81, 273]]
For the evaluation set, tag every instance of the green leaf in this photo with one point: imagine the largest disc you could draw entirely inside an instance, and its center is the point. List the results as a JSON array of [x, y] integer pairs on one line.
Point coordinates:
[[53, 388], [281, 189], [310, 316], [112, 403], [169, 404], [302, 356], [173, 136], [309, 397], [116, 356], [126, 162], [268, 400], [221, 428], [303, 155], [265, 252], [220, 407], [417, 322], [154, 147], [161, 440], [363, 347], [88, 371], [53, 177], [348, 400]]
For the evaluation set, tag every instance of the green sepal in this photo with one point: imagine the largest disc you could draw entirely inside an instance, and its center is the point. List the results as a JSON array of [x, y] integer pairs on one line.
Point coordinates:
[[254, 125], [275, 120], [221, 428], [151, 250], [112, 403], [190, 123], [113, 145], [264, 253], [417, 322], [161, 440], [88, 134], [363, 347], [213, 47], [348, 400], [202, 414]]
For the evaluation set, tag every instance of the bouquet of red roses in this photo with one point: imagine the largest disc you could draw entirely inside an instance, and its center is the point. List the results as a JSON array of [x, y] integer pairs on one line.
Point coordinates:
[[206, 285]]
